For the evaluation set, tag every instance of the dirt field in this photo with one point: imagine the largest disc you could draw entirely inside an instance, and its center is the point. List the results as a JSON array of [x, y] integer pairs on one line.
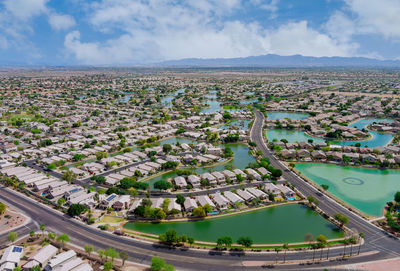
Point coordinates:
[[11, 219]]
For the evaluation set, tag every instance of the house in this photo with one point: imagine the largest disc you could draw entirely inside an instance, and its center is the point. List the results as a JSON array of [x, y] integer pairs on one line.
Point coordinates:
[[220, 201], [11, 258], [59, 259], [240, 172], [253, 174], [123, 202], [263, 171], [232, 197], [369, 158], [203, 200], [303, 153], [190, 204], [270, 188], [210, 178], [180, 182], [256, 192], [245, 195], [108, 201], [286, 190], [219, 176], [288, 153], [229, 174], [318, 154], [194, 180], [41, 257]]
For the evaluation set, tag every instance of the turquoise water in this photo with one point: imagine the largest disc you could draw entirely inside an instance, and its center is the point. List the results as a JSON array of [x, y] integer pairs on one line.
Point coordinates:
[[243, 125], [240, 160], [377, 140], [267, 226], [283, 115], [368, 190], [214, 106], [167, 100], [248, 101]]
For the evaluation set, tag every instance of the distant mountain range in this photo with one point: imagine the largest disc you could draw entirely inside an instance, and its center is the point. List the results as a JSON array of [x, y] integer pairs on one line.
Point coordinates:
[[271, 60]]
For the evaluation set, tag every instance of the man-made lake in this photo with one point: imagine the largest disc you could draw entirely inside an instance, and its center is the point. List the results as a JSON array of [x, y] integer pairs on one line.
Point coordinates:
[[368, 190], [289, 223], [167, 100], [284, 115], [243, 125], [240, 160], [377, 140]]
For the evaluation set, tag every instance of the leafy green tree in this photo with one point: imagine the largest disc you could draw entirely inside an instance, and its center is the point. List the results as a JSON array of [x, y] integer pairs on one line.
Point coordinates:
[[167, 148], [112, 253], [342, 219], [76, 209], [89, 249], [108, 266], [245, 241], [397, 197], [225, 240], [180, 199], [157, 264], [3, 208], [60, 202], [207, 208], [12, 236], [162, 185], [170, 237], [199, 211], [68, 176]]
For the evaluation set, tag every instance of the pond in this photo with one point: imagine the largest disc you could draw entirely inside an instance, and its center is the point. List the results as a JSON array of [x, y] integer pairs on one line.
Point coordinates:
[[167, 100], [243, 125], [266, 226], [377, 140], [366, 189], [284, 115], [240, 160], [214, 106]]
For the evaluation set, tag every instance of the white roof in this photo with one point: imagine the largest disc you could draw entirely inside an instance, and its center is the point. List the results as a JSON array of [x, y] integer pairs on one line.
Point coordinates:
[[68, 265], [83, 267], [43, 255], [62, 257], [12, 254]]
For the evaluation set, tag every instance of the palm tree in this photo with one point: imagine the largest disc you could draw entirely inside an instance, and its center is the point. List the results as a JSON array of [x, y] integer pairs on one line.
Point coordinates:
[[321, 242], [285, 247], [277, 250], [352, 241], [101, 253], [89, 249], [345, 243], [327, 253], [124, 256], [314, 247], [42, 227], [361, 236], [63, 238]]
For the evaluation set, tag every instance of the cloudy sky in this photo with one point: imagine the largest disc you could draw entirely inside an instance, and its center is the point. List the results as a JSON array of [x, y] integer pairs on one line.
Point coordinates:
[[126, 32]]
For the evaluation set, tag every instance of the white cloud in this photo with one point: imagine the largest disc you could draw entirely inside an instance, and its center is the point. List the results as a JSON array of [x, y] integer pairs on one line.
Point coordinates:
[[340, 26], [25, 9], [61, 22], [168, 31], [376, 17]]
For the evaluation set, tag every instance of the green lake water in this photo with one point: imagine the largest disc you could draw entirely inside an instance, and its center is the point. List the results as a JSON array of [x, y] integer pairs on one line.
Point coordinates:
[[289, 223], [241, 159], [243, 125], [377, 140], [368, 190]]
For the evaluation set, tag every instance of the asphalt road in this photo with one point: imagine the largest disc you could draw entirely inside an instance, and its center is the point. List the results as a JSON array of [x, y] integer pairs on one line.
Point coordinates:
[[379, 244]]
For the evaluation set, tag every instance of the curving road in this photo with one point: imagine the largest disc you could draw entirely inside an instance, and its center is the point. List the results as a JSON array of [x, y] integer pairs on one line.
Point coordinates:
[[379, 244]]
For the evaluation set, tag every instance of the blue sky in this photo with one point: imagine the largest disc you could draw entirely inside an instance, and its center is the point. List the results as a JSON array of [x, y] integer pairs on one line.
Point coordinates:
[[128, 32]]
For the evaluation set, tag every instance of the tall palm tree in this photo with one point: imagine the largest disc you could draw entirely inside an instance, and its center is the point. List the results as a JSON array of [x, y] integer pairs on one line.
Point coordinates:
[[285, 247], [361, 236], [345, 243], [277, 250]]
